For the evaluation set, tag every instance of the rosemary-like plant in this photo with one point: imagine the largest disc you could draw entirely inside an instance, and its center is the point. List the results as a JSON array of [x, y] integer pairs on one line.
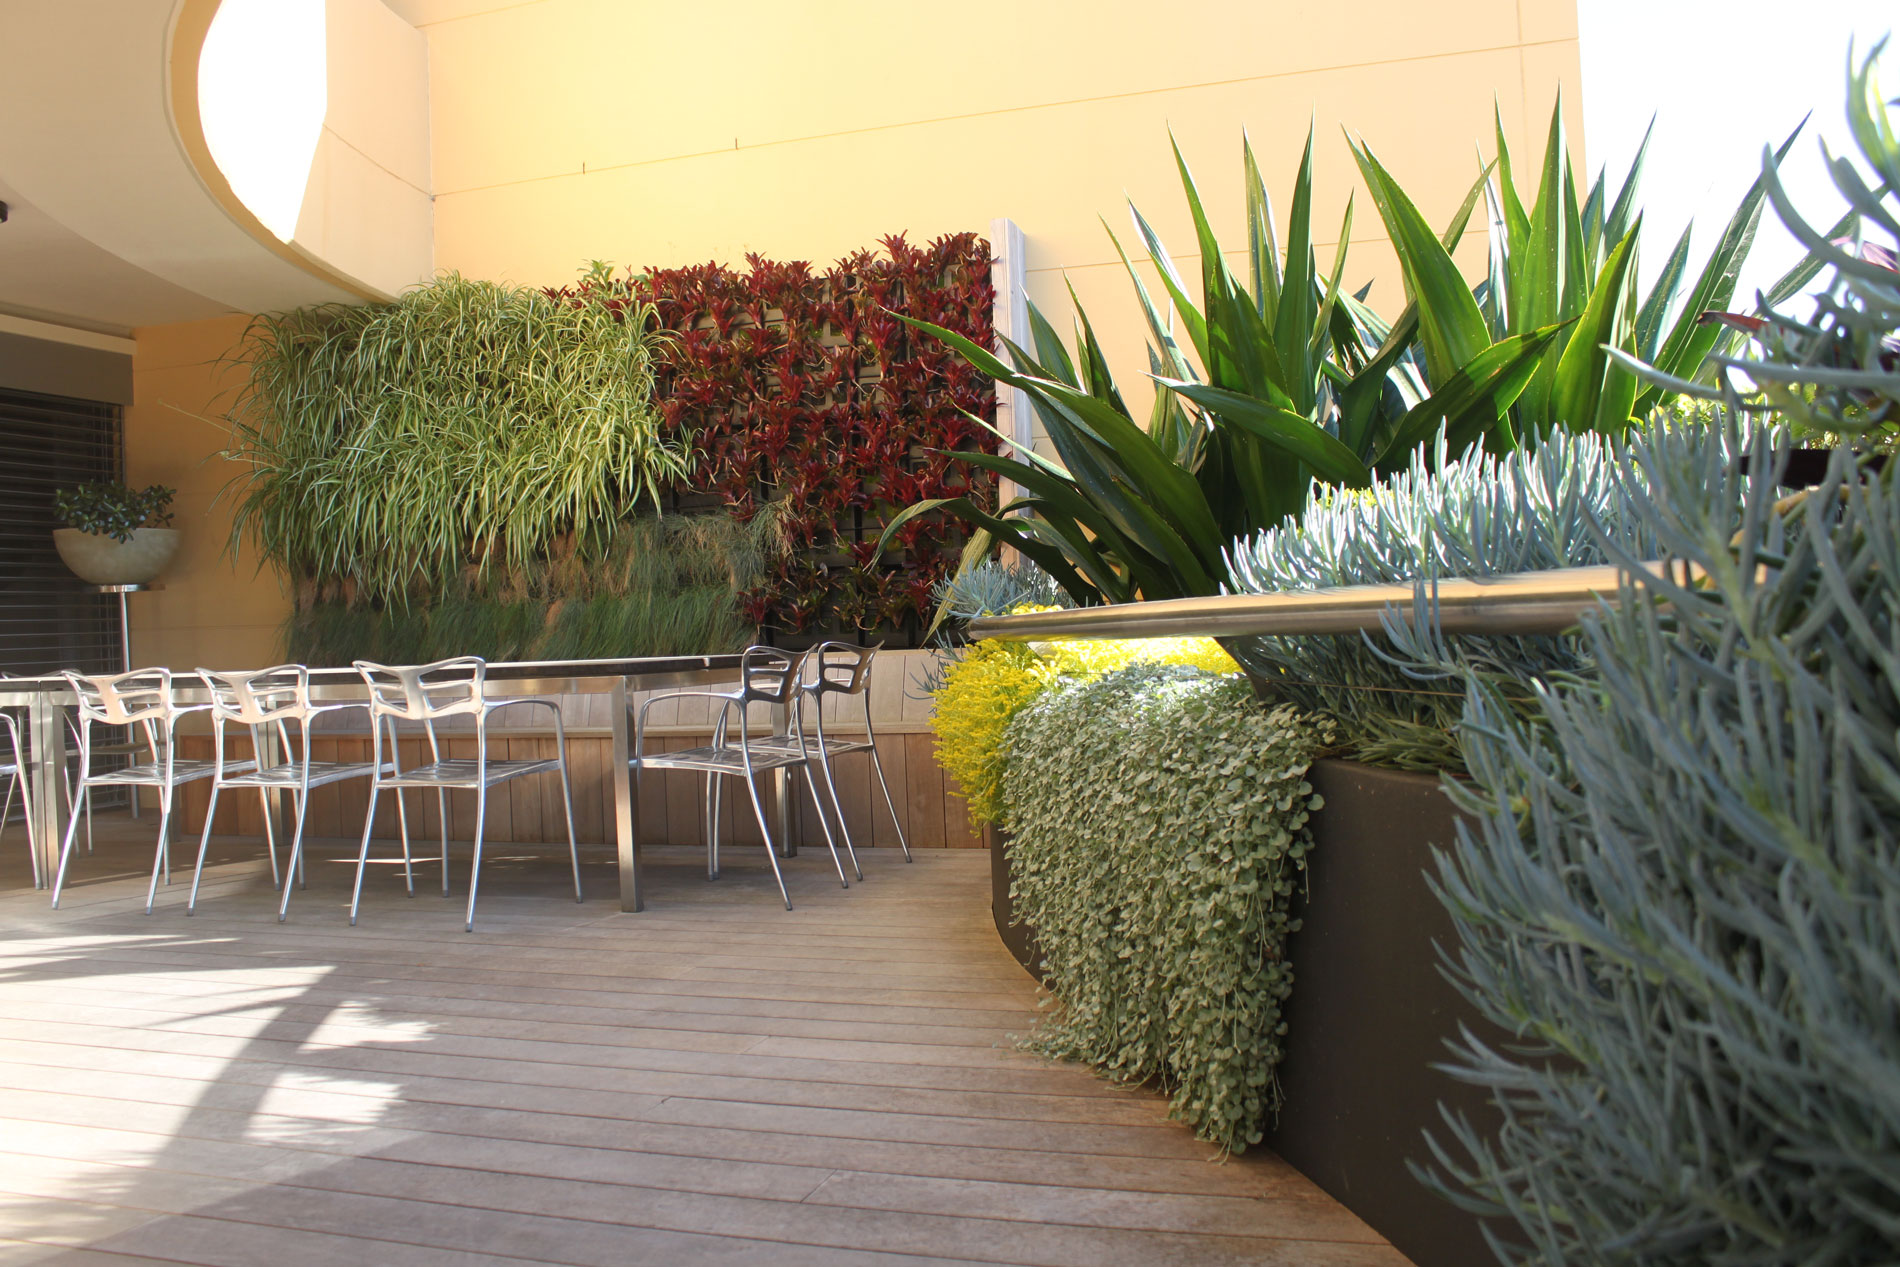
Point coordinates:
[[1398, 697], [388, 445], [1837, 373], [1682, 889]]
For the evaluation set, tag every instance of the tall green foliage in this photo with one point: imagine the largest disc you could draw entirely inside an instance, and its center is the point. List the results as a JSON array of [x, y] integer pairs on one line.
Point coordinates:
[[661, 587], [1285, 378], [1681, 895], [387, 445], [1159, 823]]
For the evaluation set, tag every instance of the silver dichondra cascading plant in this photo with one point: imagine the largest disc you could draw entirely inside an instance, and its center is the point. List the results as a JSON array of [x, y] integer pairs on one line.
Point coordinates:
[[1160, 823]]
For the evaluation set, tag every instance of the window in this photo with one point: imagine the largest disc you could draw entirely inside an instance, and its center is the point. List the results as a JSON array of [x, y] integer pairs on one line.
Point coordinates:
[[49, 618]]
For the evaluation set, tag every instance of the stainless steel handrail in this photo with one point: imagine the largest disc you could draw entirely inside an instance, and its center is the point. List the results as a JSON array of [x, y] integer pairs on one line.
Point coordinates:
[[1514, 603]]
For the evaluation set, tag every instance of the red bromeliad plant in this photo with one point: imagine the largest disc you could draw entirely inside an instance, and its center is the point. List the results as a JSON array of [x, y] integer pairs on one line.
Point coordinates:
[[797, 387]]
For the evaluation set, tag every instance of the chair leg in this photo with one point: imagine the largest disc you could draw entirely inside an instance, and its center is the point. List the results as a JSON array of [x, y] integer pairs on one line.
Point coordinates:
[[362, 855], [295, 864], [164, 858], [409, 865], [277, 880], [712, 826], [66, 847], [402, 828], [442, 813], [32, 846], [831, 842], [758, 808], [204, 842], [72, 802], [837, 807], [475, 868], [877, 763], [718, 816], [573, 840]]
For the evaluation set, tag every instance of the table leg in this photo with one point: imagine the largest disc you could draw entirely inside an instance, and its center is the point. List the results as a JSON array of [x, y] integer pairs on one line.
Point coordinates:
[[626, 841], [46, 740]]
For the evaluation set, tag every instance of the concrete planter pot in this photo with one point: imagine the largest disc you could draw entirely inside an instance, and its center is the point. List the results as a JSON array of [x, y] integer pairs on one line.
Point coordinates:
[[1370, 1011], [96, 557]]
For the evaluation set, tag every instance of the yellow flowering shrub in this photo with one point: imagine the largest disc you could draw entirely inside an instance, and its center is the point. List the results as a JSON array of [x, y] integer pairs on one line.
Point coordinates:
[[994, 679], [1093, 658]]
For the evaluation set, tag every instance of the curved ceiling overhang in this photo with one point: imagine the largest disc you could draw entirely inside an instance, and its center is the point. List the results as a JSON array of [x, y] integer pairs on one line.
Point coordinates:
[[105, 143], [185, 57]]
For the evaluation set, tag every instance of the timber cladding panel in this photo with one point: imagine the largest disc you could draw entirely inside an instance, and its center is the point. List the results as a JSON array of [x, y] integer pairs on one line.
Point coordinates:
[[672, 804], [671, 807]]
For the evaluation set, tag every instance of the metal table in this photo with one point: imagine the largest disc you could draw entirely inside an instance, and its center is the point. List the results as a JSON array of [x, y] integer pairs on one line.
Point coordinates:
[[45, 698]]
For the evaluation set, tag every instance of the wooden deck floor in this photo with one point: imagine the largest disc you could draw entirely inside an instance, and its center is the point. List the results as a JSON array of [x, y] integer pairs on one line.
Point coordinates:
[[714, 1080]]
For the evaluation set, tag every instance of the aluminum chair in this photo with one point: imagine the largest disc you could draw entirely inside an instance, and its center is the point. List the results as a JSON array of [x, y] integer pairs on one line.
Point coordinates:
[[14, 770], [127, 699], [429, 694], [127, 748], [71, 780], [766, 676], [277, 699], [839, 668]]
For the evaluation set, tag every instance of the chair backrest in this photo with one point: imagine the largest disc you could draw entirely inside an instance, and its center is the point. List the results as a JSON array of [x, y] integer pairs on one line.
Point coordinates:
[[842, 668], [259, 697], [767, 675], [425, 692], [120, 699]]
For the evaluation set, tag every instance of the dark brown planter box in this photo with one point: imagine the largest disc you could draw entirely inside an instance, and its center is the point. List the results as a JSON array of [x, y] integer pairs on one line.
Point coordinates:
[[1020, 938], [1370, 1010]]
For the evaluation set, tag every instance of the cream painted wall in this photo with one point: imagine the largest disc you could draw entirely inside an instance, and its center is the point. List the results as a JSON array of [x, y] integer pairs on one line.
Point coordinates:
[[567, 130], [214, 611], [366, 210]]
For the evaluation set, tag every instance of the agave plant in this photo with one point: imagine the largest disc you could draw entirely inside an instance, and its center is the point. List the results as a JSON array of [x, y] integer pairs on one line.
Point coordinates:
[[1288, 379], [1353, 375], [1569, 263], [1147, 511]]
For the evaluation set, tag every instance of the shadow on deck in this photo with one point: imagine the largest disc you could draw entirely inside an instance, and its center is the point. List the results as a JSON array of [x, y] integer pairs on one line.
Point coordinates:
[[714, 1080]]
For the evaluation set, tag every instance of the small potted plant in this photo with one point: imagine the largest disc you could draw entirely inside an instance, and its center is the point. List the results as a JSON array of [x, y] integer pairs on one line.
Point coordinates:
[[115, 535]]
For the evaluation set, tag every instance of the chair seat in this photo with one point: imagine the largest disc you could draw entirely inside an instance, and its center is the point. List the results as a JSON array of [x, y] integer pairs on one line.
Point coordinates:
[[148, 774], [290, 774], [465, 773], [728, 759], [830, 747]]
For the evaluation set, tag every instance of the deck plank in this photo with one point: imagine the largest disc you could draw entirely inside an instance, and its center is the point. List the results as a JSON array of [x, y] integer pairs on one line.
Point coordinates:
[[715, 1080]]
